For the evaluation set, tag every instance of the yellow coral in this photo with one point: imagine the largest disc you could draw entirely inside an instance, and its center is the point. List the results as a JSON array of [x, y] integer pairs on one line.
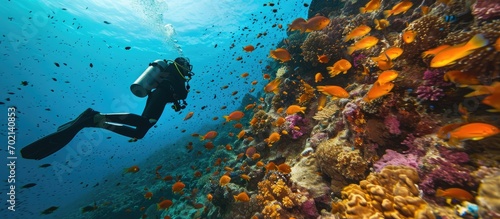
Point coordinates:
[[279, 188], [272, 211], [389, 194], [287, 202]]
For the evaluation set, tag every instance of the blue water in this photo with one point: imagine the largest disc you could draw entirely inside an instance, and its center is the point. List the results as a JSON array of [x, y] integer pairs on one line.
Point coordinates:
[[37, 34]]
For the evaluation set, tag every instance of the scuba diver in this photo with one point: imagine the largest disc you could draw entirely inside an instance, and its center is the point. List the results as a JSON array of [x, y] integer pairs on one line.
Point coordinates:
[[163, 82]]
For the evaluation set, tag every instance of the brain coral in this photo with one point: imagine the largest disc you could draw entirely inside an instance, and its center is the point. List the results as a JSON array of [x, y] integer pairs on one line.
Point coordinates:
[[389, 194]]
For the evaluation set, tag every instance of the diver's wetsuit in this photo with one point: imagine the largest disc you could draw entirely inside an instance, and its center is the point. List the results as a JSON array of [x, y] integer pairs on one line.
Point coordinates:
[[170, 90]]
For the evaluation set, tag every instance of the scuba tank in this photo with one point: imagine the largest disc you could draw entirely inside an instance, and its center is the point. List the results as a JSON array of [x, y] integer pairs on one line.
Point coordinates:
[[150, 78]]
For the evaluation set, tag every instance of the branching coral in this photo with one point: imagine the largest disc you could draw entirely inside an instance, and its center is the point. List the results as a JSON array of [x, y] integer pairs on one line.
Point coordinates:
[[275, 196], [432, 88], [389, 194]]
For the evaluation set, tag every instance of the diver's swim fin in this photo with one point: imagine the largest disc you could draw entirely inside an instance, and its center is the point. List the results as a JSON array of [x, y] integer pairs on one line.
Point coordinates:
[[55, 141]]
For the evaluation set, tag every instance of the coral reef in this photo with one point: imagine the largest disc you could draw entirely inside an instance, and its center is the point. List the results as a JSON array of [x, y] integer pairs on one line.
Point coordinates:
[[389, 194]]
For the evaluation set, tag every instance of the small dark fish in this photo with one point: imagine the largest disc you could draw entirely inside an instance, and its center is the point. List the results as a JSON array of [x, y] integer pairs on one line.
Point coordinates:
[[64, 9], [45, 165], [91, 65], [106, 22], [127, 48], [88, 208], [50, 210], [54, 79], [2, 103], [306, 5], [29, 185], [57, 64], [24, 83]]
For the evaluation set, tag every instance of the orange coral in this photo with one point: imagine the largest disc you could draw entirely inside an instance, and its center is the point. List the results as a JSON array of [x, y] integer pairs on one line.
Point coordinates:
[[274, 195], [389, 194]]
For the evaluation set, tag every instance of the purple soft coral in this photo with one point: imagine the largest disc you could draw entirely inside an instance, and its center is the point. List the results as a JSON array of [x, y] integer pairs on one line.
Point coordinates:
[[392, 124], [431, 93], [444, 173], [394, 158], [431, 88], [486, 9], [296, 121]]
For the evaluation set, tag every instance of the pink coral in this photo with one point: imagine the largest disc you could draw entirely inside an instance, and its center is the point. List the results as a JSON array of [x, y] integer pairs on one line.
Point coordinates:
[[296, 121], [394, 158], [486, 9], [392, 124]]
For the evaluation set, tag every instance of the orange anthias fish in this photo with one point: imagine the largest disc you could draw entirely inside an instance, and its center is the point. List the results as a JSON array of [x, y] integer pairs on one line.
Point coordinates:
[[208, 135], [364, 43], [472, 131], [296, 24], [442, 133], [409, 36], [333, 90], [273, 138], [497, 44], [132, 169], [455, 193], [292, 109], [165, 204], [241, 134], [249, 48], [381, 24], [399, 8], [224, 180], [280, 54], [392, 53], [358, 32], [378, 90], [273, 86], [323, 59], [315, 23], [234, 116], [372, 5], [318, 77], [434, 51], [148, 195], [341, 66], [188, 116], [242, 197], [462, 79], [178, 187], [387, 76], [451, 54], [321, 102]]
